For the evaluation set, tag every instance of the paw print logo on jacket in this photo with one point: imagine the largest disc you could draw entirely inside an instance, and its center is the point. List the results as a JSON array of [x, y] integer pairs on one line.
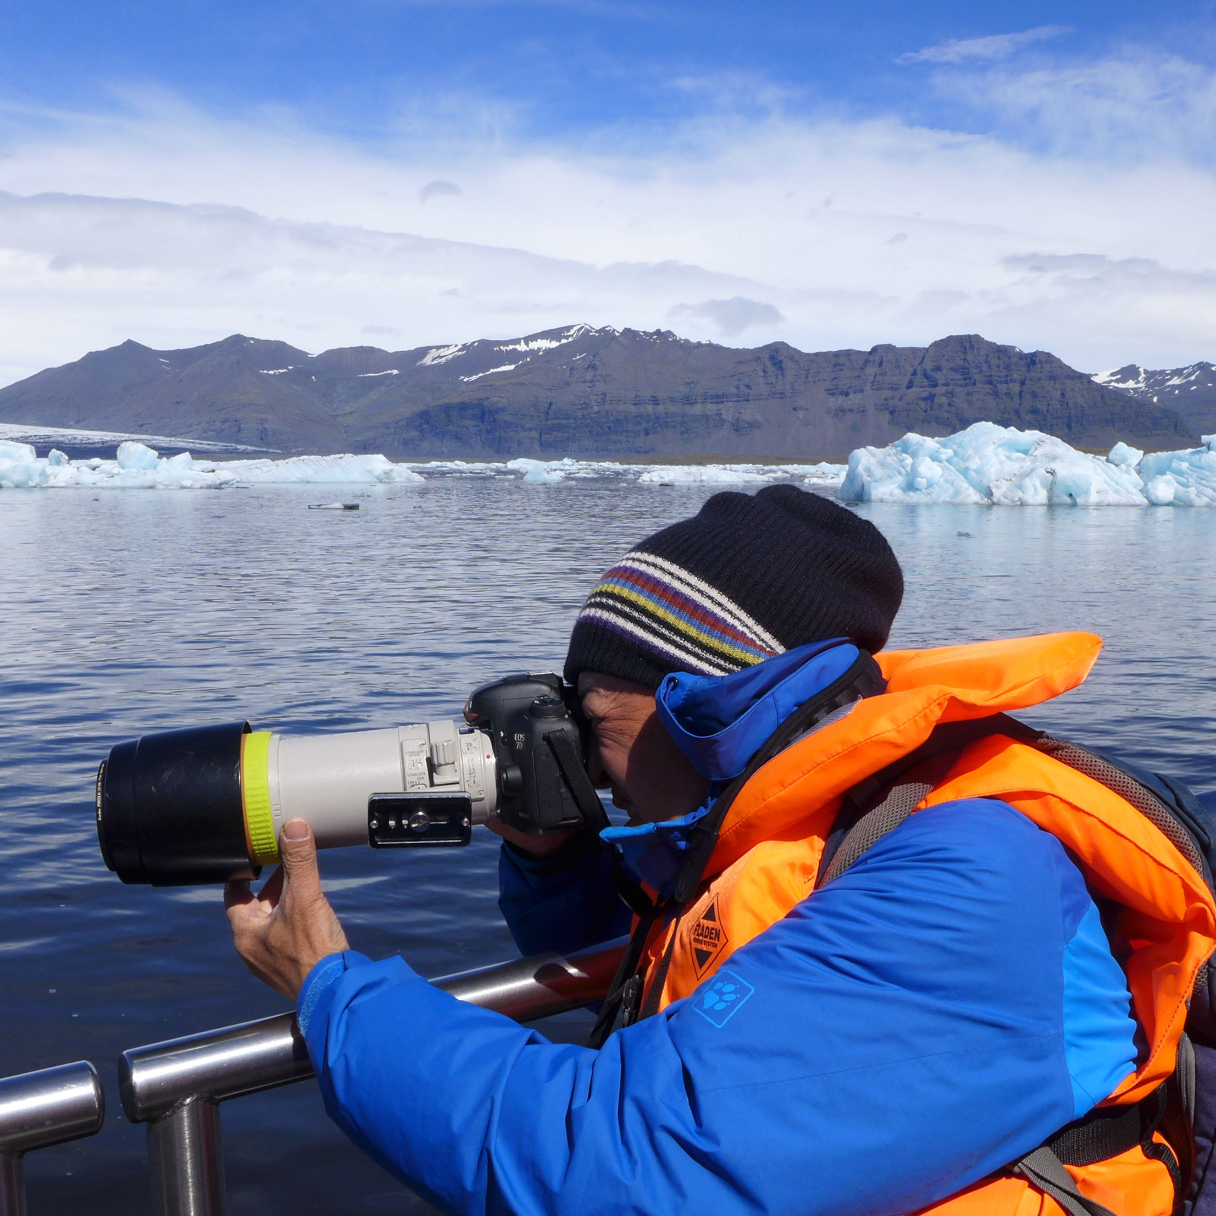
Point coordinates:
[[721, 997]]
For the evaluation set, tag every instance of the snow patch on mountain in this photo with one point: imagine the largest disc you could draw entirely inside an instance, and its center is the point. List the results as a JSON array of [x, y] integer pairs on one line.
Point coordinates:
[[441, 354], [530, 345], [506, 367]]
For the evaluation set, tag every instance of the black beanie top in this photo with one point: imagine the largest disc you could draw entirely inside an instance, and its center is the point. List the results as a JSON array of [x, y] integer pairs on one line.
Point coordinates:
[[746, 578]]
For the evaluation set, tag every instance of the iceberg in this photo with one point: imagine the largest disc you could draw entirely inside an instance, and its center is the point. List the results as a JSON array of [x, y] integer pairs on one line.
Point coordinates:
[[139, 467], [133, 455], [1005, 467], [824, 475], [987, 463], [1180, 479], [542, 472]]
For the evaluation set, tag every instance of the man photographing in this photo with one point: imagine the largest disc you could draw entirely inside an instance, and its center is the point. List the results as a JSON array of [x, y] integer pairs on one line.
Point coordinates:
[[886, 942]]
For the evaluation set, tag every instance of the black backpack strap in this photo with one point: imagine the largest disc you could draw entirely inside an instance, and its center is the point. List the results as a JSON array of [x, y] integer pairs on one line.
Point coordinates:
[[898, 803], [1044, 1170], [880, 803], [1103, 1133]]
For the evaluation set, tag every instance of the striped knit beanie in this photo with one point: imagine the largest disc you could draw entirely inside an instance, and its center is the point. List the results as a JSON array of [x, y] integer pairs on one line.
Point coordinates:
[[746, 578]]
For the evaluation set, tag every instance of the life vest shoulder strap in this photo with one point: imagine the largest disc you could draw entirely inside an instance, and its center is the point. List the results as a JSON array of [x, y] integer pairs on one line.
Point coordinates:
[[883, 801]]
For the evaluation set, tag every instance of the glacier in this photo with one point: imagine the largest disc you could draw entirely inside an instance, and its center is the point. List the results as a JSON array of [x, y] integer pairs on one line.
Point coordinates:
[[1006, 467], [137, 466]]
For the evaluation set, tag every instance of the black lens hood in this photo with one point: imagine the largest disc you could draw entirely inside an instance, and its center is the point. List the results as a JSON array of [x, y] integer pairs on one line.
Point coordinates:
[[169, 808]]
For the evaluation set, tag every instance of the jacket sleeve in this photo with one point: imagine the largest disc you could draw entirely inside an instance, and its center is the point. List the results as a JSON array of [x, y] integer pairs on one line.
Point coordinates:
[[563, 902], [895, 1038]]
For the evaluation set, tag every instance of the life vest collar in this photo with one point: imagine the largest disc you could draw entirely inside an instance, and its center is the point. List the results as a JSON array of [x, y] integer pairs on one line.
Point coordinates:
[[924, 688]]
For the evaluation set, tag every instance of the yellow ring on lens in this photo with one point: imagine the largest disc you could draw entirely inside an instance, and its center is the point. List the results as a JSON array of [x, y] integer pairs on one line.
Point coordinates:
[[255, 793]]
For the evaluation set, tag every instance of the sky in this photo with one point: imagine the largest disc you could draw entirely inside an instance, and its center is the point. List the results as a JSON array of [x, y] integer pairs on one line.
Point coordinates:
[[402, 173]]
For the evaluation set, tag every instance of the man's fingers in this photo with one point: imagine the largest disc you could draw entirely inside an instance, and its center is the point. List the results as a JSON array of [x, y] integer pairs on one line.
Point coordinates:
[[298, 850], [237, 893], [272, 888]]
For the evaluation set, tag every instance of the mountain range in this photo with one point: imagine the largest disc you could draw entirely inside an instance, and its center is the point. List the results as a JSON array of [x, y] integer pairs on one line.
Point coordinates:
[[583, 391], [1190, 391]]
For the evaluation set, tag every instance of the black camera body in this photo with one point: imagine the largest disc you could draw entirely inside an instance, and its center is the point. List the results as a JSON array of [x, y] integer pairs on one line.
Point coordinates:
[[534, 724]]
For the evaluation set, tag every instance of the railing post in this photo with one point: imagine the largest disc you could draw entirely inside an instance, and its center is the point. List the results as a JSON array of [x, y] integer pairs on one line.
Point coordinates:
[[38, 1109], [12, 1184], [187, 1158], [176, 1088]]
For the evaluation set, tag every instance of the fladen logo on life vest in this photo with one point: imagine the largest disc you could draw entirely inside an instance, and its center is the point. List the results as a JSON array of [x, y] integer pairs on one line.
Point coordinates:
[[708, 938]]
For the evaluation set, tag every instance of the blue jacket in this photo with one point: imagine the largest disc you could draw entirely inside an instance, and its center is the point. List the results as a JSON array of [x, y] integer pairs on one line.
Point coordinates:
[[937, 1011]]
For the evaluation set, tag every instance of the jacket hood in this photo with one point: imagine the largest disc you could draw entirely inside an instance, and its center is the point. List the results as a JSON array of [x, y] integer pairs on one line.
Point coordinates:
[[719, 723]]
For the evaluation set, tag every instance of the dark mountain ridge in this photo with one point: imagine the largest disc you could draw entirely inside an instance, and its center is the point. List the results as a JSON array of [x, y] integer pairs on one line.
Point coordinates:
[[582, 391]]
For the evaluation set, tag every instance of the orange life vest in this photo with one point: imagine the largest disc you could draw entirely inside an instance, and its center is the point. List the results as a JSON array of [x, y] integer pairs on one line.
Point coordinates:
[[770, 845]]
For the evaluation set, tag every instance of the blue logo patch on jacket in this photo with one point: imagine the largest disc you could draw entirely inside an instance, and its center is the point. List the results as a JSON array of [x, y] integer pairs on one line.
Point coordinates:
[[718, 1002]]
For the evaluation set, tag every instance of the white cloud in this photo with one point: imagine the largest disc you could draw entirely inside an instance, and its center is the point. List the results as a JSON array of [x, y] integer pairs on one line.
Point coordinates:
[[994, 46], [173, 227]]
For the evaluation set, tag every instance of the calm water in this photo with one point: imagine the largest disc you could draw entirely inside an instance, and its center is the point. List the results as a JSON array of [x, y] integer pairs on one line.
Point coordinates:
[[125, 612]]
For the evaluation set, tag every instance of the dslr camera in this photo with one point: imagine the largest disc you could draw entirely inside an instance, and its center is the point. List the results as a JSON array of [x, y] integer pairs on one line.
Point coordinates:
[[207, 804]]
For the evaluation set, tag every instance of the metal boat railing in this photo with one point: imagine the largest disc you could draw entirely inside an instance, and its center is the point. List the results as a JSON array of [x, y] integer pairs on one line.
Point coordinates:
[[38, 1109], [176, 1087]]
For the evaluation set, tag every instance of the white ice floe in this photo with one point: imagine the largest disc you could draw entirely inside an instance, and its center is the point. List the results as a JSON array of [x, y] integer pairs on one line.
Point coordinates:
[[822, 475], [701, 474], [139, 467], [1003, 466]]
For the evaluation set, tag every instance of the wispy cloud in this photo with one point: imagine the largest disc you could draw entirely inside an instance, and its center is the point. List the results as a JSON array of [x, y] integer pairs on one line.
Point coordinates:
[[993, 46], [1137, 105], [731, 317], [431, 189]]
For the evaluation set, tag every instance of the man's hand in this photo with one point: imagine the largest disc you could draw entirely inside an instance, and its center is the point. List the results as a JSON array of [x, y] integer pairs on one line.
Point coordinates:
[[288, 927], [534, 846]]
